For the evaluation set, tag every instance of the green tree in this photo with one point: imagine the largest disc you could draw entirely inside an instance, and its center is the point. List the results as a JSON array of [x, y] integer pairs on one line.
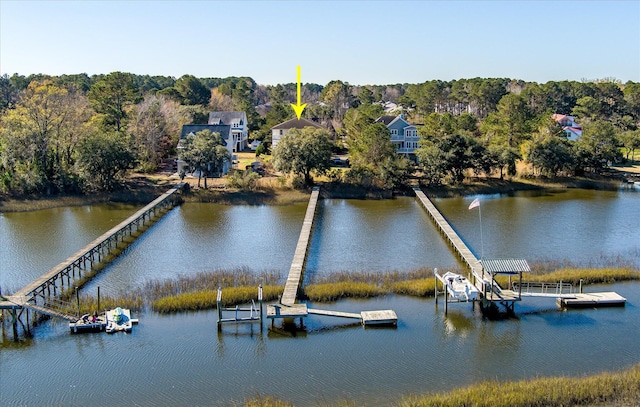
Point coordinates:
[[111, 96], [548, 155], [597, 146], [630, 140], [432, 162], [587, 108], [357, 119], [103, 160], [437, 126], [205, 152], [372, 146], [511, 125], [301, 151], [39, 137], [192, 91], [8, 93], [337, 94], [365, 97], [155, 126], [457, 152], [632, 97]]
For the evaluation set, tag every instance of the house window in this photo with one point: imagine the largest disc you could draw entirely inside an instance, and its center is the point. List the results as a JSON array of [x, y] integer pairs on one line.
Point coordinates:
[[394, 132], [281, 132]]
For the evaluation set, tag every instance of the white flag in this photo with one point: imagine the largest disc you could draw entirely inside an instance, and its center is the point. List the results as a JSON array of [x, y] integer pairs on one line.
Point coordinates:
[[474, 204]]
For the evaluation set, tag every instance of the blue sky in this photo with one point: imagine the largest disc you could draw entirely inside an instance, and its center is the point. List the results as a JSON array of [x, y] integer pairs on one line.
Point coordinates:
[[361, 42]]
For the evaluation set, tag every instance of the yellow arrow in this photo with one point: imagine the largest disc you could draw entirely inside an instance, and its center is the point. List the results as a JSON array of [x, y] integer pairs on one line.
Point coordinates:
[[298, 108]]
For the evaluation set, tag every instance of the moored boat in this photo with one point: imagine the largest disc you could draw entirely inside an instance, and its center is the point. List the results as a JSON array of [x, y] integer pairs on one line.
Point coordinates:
[[118, 319], [459, 287]]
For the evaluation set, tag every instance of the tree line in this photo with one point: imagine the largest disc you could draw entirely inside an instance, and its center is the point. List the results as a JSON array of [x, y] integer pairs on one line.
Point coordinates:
[[80, 133]]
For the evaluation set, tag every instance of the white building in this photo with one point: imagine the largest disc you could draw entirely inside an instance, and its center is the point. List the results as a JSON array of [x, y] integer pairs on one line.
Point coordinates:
[[239, 136], [569, 125], [277, 132]]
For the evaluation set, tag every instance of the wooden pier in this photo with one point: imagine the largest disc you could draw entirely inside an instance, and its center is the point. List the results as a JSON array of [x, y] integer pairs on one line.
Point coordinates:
[[300, 256], [483, 278], [288, 309], [485, 270], [458, 244], [53, 285]]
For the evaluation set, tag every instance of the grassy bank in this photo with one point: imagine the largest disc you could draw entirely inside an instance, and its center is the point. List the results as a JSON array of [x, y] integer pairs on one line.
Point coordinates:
[[620, 388], [617, 388], [138, 190], [143, 188]]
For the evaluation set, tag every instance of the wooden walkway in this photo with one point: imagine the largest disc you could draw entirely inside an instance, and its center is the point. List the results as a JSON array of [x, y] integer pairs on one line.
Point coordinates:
[[461, 248], [483, 280], [54, 279], [137, 218], [300, 256]]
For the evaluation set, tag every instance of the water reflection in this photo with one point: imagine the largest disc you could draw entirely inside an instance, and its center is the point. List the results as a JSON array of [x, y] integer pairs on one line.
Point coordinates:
[[182, 359]]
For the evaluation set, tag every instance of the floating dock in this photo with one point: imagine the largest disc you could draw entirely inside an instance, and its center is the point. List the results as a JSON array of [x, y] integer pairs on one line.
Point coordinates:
[[588, 300], [88, 325]]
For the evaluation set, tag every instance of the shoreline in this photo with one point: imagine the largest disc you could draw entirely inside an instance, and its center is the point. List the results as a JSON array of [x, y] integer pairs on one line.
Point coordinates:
[[142, 189]]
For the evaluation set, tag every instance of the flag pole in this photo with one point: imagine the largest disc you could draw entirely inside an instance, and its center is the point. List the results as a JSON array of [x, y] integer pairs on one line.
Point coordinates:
[[481, 240]]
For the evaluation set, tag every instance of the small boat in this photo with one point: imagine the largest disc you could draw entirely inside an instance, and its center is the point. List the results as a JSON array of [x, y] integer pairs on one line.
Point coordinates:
[[459, 287], [118, 319]]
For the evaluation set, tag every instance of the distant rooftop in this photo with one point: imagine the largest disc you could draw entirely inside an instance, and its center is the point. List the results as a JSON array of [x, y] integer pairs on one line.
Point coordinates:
[[296, 124], [223, 129]]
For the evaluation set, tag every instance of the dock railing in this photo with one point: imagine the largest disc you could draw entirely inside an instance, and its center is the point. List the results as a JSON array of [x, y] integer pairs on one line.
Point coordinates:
[[530, 287]]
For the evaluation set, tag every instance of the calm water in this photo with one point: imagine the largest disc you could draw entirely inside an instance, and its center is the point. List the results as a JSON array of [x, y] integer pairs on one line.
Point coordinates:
[[182, 360]]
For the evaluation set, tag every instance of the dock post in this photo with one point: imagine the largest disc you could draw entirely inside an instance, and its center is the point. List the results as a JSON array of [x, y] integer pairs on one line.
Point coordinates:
[[435, 289], [98, 298], [446, 300], [219, 306], [78, 301], [580, 286], [260, 302]]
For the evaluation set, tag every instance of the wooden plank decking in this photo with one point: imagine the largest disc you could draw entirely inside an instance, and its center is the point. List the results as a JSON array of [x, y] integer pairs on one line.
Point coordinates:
[[602, 299], [299, 258], [49, 275], [460, 246]]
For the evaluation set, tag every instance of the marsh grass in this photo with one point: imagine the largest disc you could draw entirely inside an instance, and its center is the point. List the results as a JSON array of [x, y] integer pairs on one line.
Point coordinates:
[[210, 281], [265, 401], [574, 275], [199, 291], [89, 304], [423, 287], [202, 300], [327, 292], [617, 388], [333, 286]]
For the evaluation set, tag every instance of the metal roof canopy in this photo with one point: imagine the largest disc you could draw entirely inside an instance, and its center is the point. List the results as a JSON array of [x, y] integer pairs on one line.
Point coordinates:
[[505, 266]]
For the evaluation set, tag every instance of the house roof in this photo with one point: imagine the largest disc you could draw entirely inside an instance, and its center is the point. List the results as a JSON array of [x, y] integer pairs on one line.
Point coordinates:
[[223, 129], [227, 117], [507, 266], [385, 119], [296, 124]]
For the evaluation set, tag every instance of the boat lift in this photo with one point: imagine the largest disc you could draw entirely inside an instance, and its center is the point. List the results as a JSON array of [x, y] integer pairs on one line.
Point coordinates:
[[255, 312]]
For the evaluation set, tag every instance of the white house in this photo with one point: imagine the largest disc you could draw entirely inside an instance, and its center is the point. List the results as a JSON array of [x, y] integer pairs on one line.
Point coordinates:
[[278, 131], [404, 136], [239, 136], [569, 125]]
